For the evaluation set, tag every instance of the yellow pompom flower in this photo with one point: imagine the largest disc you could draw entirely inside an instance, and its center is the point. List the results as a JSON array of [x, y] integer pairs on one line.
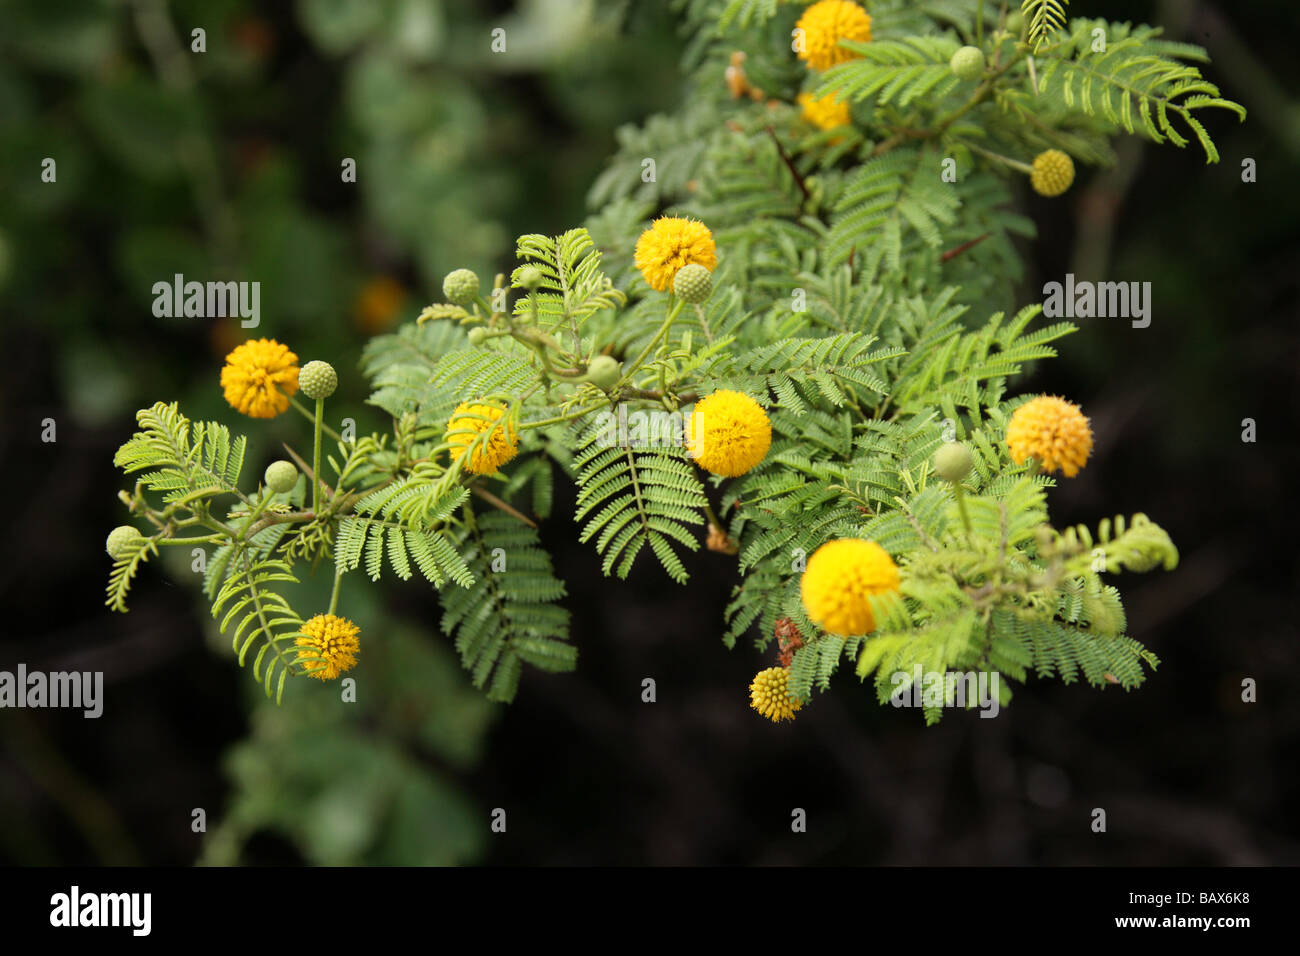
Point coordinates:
[[769, 694], [259, 377], [824, 25], [839, 578], [1053, 173], [328, 646], [729, 434], [824, 113], [1052, 430], [467, 423], [671, 243]]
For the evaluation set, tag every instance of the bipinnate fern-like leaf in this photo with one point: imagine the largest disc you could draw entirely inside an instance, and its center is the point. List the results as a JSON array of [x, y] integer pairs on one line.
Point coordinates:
[[191, 460], [509, 615], [261, 617], [1043, 18], [1136, 82], [573, 285], [633, 497]]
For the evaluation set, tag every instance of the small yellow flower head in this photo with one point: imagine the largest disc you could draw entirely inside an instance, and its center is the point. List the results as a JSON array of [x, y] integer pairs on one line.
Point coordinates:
[[1054, 431], [259, 377], [769, 694], [729, 434], [824, 25], [825, 113], [671, 243], [467, 423], [328, 646], [1053, 173], [839, 578]]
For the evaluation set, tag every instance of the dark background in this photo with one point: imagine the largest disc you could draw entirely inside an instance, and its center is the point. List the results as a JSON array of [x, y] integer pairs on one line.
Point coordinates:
[[1187, 773]]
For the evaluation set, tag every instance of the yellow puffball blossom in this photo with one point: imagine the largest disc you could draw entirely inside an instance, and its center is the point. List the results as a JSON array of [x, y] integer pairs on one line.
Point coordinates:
[[769, 695], [1053, 173], [824, 25], [259, 377], [1054, 431], [839, 578], [729, 434], [671, 243], [825, 113], [328, 646], [470, 421]]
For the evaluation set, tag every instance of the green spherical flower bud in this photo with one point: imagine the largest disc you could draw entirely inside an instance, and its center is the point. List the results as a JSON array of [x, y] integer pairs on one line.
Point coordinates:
[[281, 476], [967, 63], [953, 461], [529, 277], [1015, 22], [460, 287], [604, 371], [122, 540], [318, 380], [693, 283], [477, 335]]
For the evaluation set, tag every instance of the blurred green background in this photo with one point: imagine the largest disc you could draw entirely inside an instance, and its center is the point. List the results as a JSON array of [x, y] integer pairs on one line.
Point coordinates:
[[226, 165]]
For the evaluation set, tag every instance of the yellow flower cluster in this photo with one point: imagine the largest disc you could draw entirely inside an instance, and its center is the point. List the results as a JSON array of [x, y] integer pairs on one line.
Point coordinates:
[[769, 694], [328, 646], [821, 28], [1054, 431], [824, 113], [841, 575], [671, 243], [729, 434], [467, 423], [1053, 173], [259, 377]]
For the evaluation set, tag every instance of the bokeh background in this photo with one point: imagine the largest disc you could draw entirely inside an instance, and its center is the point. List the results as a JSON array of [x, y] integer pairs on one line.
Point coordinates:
[[226, 164]]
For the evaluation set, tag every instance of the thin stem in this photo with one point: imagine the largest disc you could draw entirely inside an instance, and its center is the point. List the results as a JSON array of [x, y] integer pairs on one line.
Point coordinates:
[[979, 24], [557, 420], [315, 458], [704, 323], [334, 595], [663, 330], [502, 505], [271, 519], [998, 157], [789, 164], [204, 539], [308, 415], [961, 506], [683, 398], [713, 518]]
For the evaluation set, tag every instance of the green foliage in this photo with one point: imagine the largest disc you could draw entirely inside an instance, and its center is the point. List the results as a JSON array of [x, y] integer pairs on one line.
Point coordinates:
[[1043, 18], [633, 498], [192, 463], [894, 71], [263, 617], [1137, 71], [509, 616], [862, 296]]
